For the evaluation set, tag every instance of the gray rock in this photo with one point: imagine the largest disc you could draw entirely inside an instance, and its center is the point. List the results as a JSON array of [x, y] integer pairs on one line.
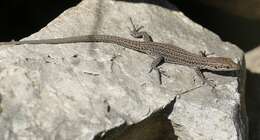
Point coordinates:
[[253, 60], [76, 91]]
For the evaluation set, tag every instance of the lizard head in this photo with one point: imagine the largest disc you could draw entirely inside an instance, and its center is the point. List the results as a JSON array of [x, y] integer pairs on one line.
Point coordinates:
[[222, 64]]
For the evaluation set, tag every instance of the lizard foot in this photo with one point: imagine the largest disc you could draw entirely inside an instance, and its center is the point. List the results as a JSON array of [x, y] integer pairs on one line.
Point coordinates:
[[135, 29], [136, 33], [205, 54], [208, 82]]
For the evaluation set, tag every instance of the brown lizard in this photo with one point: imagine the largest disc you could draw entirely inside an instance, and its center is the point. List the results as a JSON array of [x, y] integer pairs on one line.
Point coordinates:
[[163, 52]]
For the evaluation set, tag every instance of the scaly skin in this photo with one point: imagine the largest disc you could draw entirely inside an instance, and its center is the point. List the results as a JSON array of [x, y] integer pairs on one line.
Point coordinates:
[[164, 52]]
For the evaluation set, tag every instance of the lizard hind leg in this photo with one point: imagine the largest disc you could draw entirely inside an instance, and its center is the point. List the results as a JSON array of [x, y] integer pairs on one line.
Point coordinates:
[[154, 66], [136, 33], [156, 62]]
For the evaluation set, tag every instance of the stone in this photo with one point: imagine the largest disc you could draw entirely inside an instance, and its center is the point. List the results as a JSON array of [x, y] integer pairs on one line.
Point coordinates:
[[77, 91]]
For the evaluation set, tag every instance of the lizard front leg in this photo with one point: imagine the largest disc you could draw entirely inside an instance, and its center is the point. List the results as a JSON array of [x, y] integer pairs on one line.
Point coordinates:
[[136, 33], [154, 66], [203, 79], [201, 75]]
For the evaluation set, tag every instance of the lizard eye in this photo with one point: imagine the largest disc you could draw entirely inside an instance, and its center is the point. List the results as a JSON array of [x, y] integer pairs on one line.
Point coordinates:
[[227, 67]]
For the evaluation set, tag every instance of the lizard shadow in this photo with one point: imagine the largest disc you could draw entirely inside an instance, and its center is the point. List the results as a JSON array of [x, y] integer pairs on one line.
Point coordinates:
[[223, 73], [156, 126]]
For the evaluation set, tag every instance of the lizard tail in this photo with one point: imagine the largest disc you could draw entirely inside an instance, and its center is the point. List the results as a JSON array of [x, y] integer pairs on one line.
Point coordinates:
[[76, 39], [86, 38]]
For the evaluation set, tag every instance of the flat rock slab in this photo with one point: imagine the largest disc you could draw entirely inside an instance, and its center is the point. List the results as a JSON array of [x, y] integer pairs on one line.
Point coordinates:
[[76, 91]]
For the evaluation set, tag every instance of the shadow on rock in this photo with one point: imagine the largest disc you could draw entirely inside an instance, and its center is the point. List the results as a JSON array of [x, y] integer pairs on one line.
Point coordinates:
[[161, 3], [253, 104], [156, 127]]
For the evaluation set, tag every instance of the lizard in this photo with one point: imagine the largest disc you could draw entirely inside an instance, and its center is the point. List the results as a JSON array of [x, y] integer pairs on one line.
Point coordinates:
[[163, 53]]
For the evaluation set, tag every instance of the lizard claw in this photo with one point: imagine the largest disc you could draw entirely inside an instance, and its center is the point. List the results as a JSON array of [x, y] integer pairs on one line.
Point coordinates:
[[135, 28], [161, 72], [205, 54], [151, 69], [136, 33], [164, 73], [209, 82]]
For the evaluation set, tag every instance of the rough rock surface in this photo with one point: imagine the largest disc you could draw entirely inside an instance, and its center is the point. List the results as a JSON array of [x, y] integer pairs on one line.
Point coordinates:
[[75, 91], [253, 60]]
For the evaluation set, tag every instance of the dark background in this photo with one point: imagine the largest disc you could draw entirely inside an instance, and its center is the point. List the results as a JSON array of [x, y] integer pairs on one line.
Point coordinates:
[[21, 18]]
